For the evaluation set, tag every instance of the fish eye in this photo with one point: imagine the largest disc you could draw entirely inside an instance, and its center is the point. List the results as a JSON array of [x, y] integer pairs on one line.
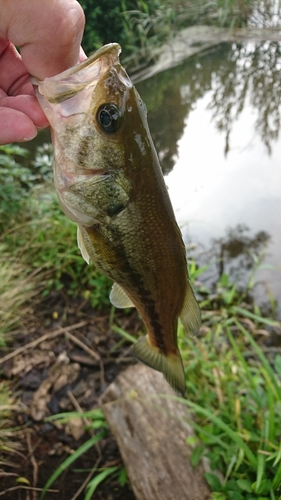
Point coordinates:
[[109, 116]]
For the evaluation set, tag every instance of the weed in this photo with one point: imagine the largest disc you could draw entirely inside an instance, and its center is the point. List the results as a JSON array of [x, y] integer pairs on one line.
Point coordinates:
[[45, 240], [96, 421], [233, 394], [8, 443]]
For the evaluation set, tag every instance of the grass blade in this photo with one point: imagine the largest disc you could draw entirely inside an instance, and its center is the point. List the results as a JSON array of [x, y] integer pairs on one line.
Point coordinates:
[[262, 358], [82, 449], [122, 332], [223, 426], [260, 470], [248, 314], [92, 486]]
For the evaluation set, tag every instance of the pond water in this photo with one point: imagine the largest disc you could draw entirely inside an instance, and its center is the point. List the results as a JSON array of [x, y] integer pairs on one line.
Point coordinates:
[[215, 121]]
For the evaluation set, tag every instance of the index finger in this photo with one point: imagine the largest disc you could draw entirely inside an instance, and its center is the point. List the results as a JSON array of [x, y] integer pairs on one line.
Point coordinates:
[[48, 32]]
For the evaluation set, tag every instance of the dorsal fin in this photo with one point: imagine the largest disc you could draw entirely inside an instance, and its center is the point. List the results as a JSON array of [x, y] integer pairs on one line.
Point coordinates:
[[119, 298], [190, 315]]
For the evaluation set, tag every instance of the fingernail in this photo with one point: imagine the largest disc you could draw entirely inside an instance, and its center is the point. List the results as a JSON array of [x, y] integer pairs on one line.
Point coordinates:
[[29, 137]]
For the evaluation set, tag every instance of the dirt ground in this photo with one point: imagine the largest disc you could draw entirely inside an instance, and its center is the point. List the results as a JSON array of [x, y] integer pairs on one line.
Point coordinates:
[[68, 371]]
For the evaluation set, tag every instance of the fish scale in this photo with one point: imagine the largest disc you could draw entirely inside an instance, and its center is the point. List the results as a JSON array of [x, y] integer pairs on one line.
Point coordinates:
[[109, 181]]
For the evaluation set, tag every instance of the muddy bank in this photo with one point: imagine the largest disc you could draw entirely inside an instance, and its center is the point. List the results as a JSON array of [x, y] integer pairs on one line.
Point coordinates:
[[66, 361]]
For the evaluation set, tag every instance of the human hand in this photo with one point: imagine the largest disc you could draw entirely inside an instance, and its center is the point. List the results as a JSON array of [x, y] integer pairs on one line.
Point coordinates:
[[49, 35]]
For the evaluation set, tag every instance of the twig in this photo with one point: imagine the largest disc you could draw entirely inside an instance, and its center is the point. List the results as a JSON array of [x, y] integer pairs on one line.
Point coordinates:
[[78, 408], [83, 346], [85, 420], [2, 493], [34, 463], [92, 353], [97, 446], [4, 474], [34, 343], [88, 478]]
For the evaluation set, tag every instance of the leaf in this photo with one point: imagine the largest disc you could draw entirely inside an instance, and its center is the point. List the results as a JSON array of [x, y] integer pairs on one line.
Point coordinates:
[[277, 364], [234, 495], [224, 280], [93, 484], [263, 487], [82, 449], [22, 480], [260, 472], [243, 312], [213, 481], [196, 455], [231, 485], [218, 496], [192, 440], [122, 477], [244, 485]]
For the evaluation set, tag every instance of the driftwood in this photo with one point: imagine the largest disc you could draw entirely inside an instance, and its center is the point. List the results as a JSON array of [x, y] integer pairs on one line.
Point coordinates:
[[151, 433]]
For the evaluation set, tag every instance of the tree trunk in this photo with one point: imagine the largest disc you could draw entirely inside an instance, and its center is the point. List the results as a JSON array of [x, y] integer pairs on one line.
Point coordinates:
[[151, 433]]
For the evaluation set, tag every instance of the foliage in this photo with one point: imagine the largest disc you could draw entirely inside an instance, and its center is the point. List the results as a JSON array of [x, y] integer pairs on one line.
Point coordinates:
[[15, 180], [140, 25], [18, 285], [237, 409], [40, 241], [233, 392], [46, 241], [96, 421], [8, 442], [136, 25]]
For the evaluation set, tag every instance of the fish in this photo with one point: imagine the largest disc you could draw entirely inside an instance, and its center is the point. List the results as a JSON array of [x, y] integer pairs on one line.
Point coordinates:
[[109, 181]]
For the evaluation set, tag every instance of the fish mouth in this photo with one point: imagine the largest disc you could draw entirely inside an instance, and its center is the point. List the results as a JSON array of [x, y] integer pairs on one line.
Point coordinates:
[[72, 81]]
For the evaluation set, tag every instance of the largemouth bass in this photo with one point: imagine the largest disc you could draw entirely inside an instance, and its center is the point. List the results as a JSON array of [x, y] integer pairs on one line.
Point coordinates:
[[109, 181]]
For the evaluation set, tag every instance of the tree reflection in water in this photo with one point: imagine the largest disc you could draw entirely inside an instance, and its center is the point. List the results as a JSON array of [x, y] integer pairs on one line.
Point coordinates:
[[237, 252], [232, 74], [237, 255]]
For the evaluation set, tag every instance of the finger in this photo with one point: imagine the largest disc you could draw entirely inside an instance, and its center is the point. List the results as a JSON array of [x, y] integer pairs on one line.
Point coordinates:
[[11, 65], [82, 55], [49, 33], [16, 126], [28, 105]]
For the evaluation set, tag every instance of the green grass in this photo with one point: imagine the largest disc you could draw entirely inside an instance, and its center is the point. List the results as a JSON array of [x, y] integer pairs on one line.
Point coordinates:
[[233, 387], [9, 443], [44, 240], [142, 25], [96, 421], [233, 393]]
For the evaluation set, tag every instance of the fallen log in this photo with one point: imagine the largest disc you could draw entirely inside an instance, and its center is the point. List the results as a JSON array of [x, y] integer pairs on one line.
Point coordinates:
[[151, 433]]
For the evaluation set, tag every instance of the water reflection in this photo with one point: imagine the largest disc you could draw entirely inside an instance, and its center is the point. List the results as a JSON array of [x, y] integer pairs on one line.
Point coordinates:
[[233, 73], [215, 121], [237, 252]]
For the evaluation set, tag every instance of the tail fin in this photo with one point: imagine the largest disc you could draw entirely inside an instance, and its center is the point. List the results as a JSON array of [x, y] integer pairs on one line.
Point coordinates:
[[170, 365]]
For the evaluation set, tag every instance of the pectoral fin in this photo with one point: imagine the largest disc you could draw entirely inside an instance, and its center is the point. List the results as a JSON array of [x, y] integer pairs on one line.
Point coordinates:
[[119, 298], [82, 247], [171, 365], [190, 315]]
